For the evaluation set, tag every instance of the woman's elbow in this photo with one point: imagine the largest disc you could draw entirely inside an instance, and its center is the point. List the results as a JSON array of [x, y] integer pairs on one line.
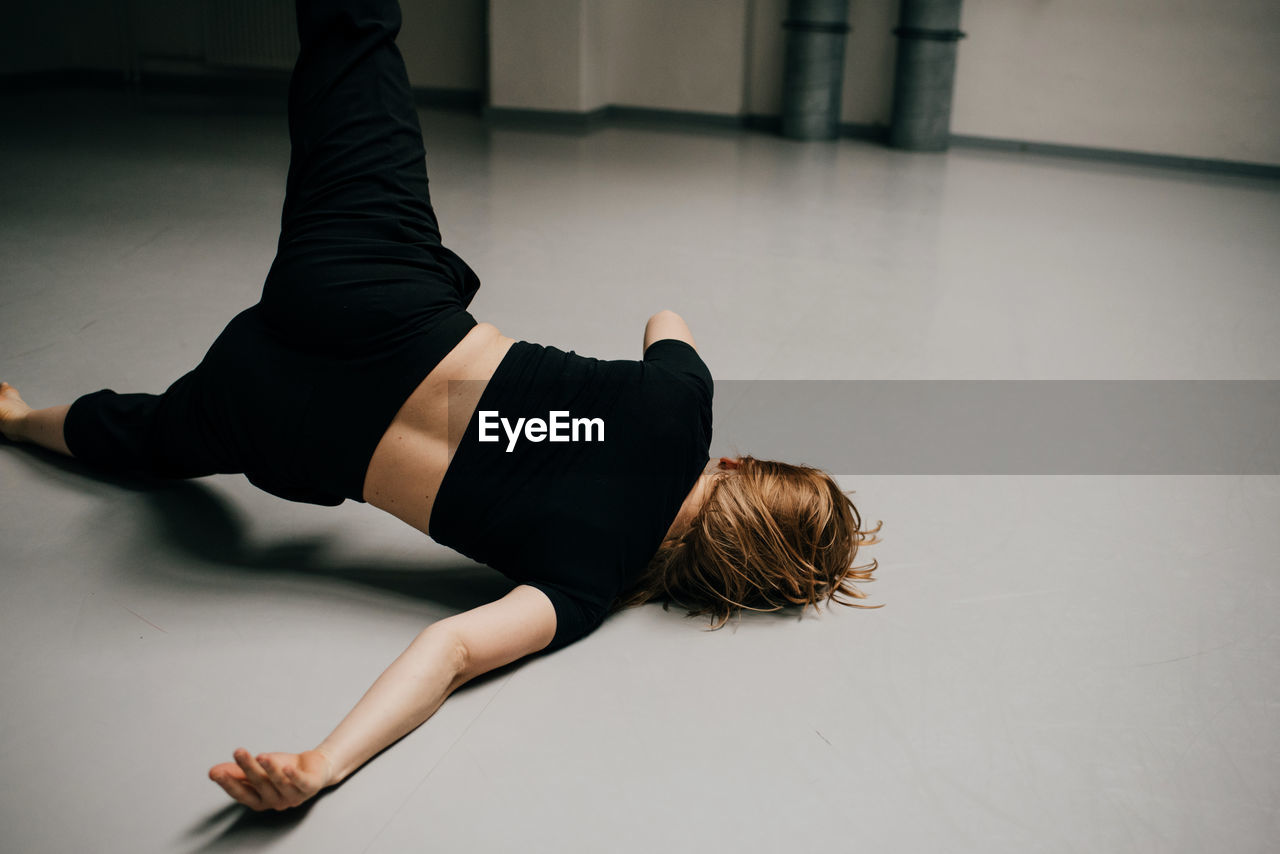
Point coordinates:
[[667, 324]]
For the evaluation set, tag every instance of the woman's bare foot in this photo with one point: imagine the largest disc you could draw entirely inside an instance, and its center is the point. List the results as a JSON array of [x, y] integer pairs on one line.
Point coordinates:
[[13, 410]]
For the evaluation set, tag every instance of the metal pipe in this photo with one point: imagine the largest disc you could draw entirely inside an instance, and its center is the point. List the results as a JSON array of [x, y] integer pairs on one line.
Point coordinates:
[[927, 32], [814, 68]]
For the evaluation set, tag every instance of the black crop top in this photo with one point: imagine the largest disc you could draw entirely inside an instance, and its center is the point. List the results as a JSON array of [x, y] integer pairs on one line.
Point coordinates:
[[578, 507]]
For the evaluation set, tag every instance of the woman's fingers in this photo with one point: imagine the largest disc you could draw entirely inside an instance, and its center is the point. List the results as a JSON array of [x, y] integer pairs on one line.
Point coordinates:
[[237, 790], [292, 774], [257, 777], [284, 785]]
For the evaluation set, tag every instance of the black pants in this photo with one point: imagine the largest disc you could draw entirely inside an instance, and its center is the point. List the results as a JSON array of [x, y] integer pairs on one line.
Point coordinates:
[[361, 302]]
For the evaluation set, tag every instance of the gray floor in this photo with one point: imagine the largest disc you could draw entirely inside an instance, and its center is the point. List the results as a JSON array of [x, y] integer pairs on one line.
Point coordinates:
[[1064, 663]]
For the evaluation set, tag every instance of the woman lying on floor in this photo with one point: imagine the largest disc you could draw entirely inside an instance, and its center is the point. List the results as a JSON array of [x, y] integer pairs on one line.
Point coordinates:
[[361, 375]]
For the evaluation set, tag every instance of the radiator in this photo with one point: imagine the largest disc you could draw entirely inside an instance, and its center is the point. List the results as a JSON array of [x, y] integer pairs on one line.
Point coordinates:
[[250, 33]]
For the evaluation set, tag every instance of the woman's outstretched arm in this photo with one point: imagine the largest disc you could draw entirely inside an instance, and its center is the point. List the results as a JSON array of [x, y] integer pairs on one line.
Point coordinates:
[[21, 423], [406, 694], [444, 656]]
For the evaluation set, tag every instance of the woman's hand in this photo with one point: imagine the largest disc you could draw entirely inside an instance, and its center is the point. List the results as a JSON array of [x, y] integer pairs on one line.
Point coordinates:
[[273, 781]]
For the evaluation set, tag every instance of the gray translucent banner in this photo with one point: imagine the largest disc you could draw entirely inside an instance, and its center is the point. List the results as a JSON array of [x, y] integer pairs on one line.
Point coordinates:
[[1001, 427]]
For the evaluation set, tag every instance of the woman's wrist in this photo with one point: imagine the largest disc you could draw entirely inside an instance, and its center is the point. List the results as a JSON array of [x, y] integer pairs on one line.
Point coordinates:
[[406, 694], [332, 775]]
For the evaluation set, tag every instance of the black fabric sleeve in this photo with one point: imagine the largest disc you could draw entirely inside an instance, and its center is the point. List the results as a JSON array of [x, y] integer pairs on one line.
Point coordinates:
[[575, 619], [680, 358]]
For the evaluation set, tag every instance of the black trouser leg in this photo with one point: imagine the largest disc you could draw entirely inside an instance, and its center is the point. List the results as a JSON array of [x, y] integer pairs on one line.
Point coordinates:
[[357, 166], [360, 265], [157, 435]]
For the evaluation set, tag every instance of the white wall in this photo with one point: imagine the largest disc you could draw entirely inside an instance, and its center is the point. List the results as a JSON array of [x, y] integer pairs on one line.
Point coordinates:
[[673, 54], [869, 55], [1197, 78], [443, 43], [597, 73], [578, 55], [536, 54]]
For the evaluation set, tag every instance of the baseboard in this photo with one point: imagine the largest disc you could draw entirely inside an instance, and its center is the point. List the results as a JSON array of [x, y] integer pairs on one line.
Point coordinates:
[[763, 123], [654, 117], [612, 115], [850, 130], [194, 77], [467, 100], [585, 122], [179, 75], [559, 121], [615, 114], [1116, 155]]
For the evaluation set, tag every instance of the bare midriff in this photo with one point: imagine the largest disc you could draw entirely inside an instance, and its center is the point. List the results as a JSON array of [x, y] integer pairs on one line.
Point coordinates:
[[411, 459]]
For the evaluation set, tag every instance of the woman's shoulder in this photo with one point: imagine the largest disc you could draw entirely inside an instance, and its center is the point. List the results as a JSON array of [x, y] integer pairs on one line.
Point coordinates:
[[678, 359]]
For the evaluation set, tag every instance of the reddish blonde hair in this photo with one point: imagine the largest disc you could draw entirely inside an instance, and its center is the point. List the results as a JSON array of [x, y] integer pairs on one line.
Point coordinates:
[[768, 535]]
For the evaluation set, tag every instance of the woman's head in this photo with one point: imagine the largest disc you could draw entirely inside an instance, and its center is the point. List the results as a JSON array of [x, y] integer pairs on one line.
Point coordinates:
[[768, 535]]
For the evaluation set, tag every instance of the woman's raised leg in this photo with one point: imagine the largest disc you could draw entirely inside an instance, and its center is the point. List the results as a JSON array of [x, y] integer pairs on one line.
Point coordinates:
[[359, 264], [357, 166]]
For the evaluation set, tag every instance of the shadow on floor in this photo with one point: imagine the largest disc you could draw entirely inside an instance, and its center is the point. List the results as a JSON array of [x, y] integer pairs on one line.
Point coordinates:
[[189, 519], [248, 830], [195, 521]]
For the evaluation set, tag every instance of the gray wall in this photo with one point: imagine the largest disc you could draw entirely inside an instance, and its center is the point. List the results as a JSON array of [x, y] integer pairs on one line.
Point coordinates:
[[1194, 78], [582, 54], [1184, 77]]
